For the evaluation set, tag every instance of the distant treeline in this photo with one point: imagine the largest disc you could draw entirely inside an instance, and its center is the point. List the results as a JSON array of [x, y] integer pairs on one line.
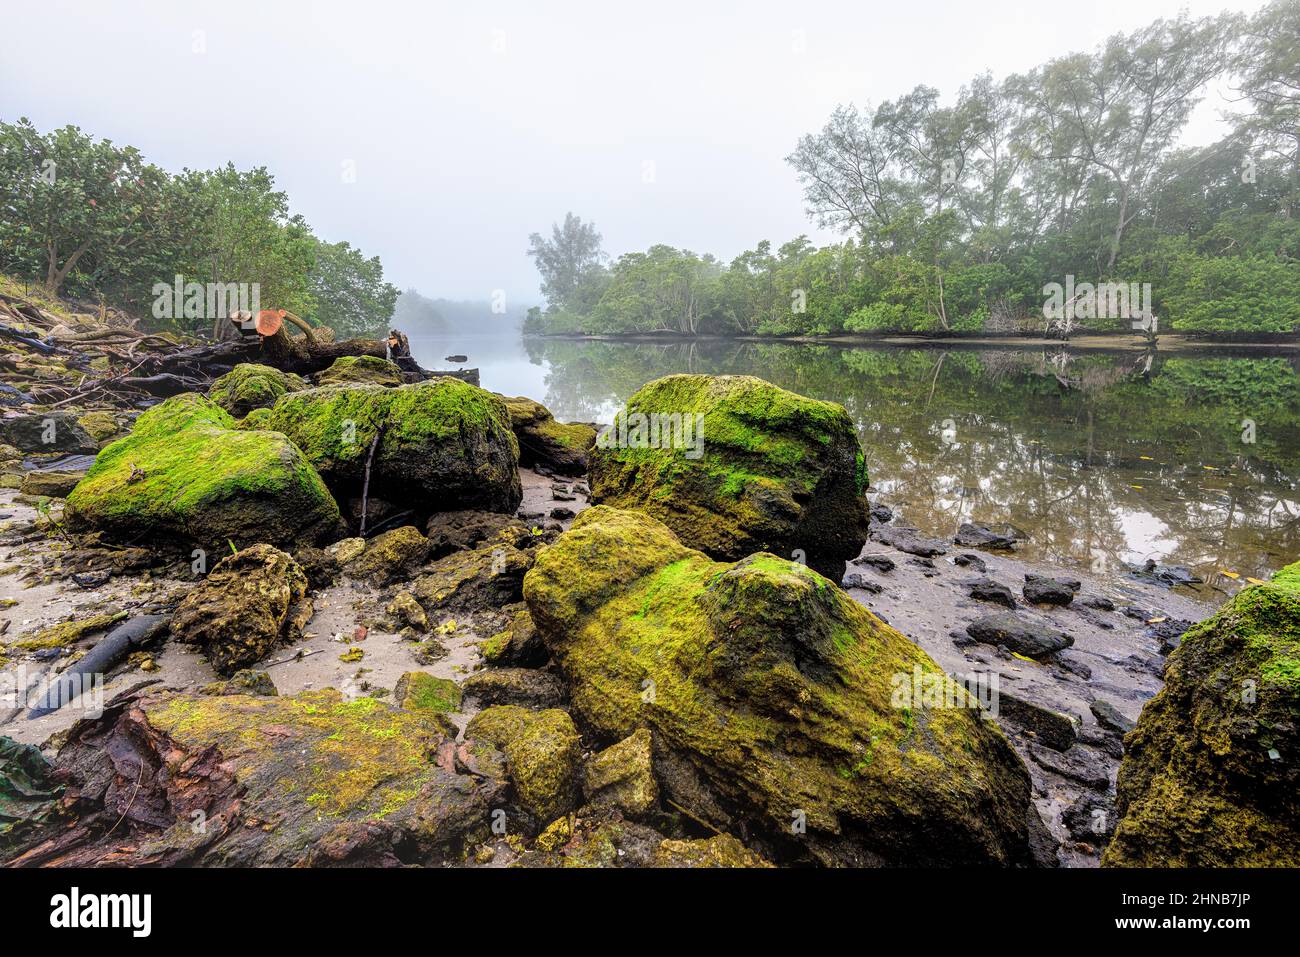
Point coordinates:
[[417, 314], [957, 215], [90, 219]]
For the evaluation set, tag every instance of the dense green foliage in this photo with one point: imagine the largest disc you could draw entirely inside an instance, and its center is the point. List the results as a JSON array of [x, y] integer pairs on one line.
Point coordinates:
[[957, 216], [92, 219]]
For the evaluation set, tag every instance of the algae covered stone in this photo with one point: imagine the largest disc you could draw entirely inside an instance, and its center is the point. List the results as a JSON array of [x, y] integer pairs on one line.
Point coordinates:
[[541, 750], [1210, 777], [736, 465], [623, 775], [773, 698], [371, 369], [250, 386], [184, 473], [421, 691], [432, 446], [390, 557], [543, 441], [251, 602]]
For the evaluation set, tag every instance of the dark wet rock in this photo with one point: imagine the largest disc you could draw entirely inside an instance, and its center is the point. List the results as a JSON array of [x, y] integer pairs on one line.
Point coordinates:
[[185, 475], [390, 557], [320, 567], [1042, 590], [1019, 633], [559, 448], [775, 471], [1094, 619], [1079, 763], [244, 681], [518, 643], [623, 776], [432, 446], [1168, 631], [909, 540], [54, 431], [323, 780], [1109, 716], [986, 589], [51, 484], [526, 687], [881, 563], [1167, 575], [563, 496], [250, 603], [1070, 663], [449, 531], [973, 562], [562, 513], [1105, 741], [970, 535], [1209, 776], [779, 704], [881, 514], [1091, 818], [541, 751], [1056, 730], [250, 386], [1099, 602], [859, 580]]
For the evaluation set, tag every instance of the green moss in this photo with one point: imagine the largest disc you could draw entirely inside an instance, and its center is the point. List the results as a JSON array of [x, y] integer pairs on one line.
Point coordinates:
[[421, 691], [372, 369], [184, 471], [250, 386], [541, 750], [66, 633], [774, 684]]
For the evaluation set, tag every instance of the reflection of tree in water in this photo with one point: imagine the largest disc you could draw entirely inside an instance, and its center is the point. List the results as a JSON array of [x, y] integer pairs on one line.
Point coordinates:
[[1091, 454]]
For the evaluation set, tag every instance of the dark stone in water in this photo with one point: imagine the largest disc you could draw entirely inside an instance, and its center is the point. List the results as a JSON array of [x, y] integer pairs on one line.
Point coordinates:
[[1019, 634], [1099, 602], [1053, 728], [1041, 590], [977, 536], [1167, 575], [562, 513], [911, 541], [1079, 763], [1091, 818], [967, 560], [882, 514]]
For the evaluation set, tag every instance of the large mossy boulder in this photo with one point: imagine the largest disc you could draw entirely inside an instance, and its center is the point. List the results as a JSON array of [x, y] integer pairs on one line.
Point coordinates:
[[542, 752], [763, 470], [558, 446], [773, 702], [1210, 776], [250, 386], [185, 473], [442, 445], [364, 369]]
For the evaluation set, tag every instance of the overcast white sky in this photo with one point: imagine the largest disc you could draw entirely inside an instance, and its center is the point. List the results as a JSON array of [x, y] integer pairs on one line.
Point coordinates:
[[469, 129]]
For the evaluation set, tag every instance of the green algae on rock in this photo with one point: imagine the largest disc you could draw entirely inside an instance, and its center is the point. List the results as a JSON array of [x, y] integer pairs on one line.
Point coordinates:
[[438, 445], [623, 775], [541, 750], [1209, 777], [185, 473], [371, 369], [389, 557], [770, 695], [251, 602], [764, 469], [421, 691], [250, 386], [543, 441]]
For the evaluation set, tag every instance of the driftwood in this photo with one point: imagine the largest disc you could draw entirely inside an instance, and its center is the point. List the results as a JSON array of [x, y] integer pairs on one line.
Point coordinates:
[[111, 650]]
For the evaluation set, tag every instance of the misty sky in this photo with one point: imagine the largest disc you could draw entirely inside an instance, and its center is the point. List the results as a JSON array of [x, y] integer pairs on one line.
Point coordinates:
[[469, 129]]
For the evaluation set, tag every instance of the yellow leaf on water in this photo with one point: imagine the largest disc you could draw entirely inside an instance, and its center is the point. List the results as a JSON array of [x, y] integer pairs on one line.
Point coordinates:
[[1023, 658], [1209, 468], [1227, 574], [1156, 621], [1146, 458], [1255, 581], [1135, 486]]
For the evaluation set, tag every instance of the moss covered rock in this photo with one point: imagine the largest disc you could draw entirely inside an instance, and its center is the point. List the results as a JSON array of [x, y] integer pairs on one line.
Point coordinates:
[[763, 470], [421, 691], [723, 850], [184, 473], [623, 775], [99, 425], [541, 750], [57, 431], [250, 386], [543, 441], [392, 556], [772, 698], [251, 602], [1210, 774], [442, 444], [368, 369]]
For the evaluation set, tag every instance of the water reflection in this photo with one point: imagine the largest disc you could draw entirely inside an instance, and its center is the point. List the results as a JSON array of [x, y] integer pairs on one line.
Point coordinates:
[[1099, 458]]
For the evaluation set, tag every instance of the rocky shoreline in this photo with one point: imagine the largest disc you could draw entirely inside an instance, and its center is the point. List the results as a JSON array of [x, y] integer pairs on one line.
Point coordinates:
[[363, 616]]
